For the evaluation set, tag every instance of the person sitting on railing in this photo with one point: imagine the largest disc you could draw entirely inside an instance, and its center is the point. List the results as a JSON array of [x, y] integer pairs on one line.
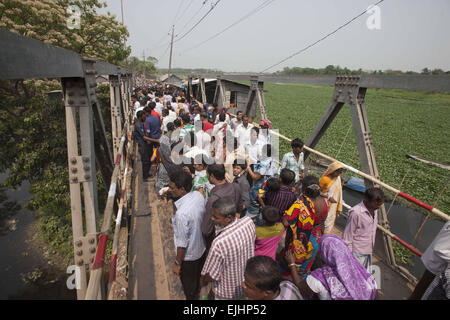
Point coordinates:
[[361, 228]]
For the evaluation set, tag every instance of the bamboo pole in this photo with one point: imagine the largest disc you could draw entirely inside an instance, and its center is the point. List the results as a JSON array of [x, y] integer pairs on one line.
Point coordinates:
[[97, 267]]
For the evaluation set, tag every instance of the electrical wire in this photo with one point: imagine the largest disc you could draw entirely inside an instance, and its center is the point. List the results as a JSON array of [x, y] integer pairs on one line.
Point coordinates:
[[195, 14], [320, 40], [260, 7], [204, 16]]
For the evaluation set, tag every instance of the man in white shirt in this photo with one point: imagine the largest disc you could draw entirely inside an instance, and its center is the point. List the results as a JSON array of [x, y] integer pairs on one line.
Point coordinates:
[[264, 131], [135, 102], [159, 106], [189, 243], [167, 118], [254, 148], [235, 122], [243, 131]]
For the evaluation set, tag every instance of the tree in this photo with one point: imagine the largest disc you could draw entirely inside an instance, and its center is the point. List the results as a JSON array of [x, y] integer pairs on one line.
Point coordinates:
[[32, 126]]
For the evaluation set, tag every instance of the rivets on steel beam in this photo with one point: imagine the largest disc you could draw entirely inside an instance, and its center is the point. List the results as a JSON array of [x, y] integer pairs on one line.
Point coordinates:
[[87, 177], [86, 159], [79, 253], [80, 263], [74, 170], [86, 168], [75, 180], [92, 250], [73, 160], [91, 240], [79, 243]]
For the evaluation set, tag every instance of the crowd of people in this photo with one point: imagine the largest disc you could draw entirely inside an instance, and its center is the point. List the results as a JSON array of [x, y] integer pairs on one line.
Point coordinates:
[[244, 224]]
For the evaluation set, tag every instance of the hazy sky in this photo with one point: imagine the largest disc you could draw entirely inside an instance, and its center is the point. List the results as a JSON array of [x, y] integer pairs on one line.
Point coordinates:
[[414, 33]]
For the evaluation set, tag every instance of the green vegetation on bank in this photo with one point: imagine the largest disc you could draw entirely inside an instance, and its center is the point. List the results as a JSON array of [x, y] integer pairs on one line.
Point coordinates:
[[400, 121]]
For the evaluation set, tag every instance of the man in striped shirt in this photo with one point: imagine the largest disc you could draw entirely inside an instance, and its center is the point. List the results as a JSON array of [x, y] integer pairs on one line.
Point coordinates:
[[187, 126], [233, 246]]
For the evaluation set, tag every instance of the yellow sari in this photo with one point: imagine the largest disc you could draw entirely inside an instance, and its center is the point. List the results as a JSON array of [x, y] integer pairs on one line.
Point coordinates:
[[332, 187]]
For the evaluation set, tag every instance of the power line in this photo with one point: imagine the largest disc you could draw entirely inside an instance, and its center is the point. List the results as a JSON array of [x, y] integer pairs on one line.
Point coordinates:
[[165, 52], [212, 8], [195, 14], [186, 9], [260, 7], [178, 11], [323, 38]]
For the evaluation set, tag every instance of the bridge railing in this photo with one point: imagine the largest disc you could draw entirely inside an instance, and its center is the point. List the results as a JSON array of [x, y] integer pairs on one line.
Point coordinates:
[[26, 58]]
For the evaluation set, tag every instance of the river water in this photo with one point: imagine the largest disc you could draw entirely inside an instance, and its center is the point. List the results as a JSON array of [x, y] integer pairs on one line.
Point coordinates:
[[24, 272], [404, 223]]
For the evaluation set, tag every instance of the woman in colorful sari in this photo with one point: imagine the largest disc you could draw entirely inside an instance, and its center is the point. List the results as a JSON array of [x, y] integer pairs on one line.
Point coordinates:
[[341, 278], [304, 226], [331, 188]]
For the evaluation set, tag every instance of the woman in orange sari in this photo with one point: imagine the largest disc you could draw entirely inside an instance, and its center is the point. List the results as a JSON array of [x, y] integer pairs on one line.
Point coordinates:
[[331, 189]]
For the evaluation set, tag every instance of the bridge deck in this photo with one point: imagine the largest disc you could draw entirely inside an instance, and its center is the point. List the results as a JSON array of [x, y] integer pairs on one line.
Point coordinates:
[[151, 251]]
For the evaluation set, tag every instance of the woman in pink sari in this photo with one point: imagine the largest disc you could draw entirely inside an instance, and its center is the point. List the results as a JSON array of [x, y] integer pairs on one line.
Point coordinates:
[[269, 235]]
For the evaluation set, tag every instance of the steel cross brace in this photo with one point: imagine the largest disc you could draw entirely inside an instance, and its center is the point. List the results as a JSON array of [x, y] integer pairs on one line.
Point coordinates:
[[347, 90]]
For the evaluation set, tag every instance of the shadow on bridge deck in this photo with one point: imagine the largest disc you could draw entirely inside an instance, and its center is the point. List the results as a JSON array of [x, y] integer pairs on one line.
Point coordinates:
[[151, 251]]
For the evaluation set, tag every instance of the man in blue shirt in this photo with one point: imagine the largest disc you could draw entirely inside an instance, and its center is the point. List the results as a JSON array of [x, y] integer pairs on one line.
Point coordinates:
[[139, 134], [152, 135]]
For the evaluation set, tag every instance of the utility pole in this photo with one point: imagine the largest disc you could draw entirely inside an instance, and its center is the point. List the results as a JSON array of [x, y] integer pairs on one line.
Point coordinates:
[[125, 40], [170, 59], [145, 69]]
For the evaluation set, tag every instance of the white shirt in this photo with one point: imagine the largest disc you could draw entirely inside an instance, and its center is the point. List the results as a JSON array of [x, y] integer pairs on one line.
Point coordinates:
[[264, 139], [186, 225], [166, 120], [159, 108], [437, 256], [243, 134], [254, 151], [203, 140], [174, 105], [137, 110], [317, 286], [136, 105], [168, 98], [227, 118], [234, 124]]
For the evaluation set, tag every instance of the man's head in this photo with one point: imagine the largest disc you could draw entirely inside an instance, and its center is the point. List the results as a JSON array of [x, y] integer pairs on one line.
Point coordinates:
[[239, 115], [165, 113], [245, 120], [133, 98], [186, 118], [180, 184], [273, 184], [297, 145], [177, 123], [287, 176], [140, 115], [216, 173], [238, 168], [222, 117], [270, 215], [262, 278], [197, 110], [373, 198], [203, 116], [224, 211], [152, 105], [254, 134]]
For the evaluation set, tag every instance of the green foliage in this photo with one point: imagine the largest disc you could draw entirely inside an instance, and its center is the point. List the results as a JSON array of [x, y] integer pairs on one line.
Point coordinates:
[[7, 208], [402, 254], [401, 122], [32, 127], [141, 67], [333, 70]]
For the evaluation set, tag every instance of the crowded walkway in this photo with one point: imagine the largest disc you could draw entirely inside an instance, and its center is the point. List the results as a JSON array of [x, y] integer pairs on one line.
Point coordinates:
[[245, 225]]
